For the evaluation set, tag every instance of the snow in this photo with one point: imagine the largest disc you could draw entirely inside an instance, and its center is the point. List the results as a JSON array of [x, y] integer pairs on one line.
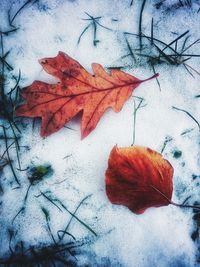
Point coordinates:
[[161, 236]]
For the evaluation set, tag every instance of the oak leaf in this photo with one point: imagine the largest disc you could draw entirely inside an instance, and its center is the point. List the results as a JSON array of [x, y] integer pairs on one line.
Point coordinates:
[[77, 91], [139, 178]]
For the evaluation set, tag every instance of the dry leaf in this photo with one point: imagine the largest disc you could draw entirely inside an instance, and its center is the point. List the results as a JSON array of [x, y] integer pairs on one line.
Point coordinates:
[[77, 91], [138, 178]]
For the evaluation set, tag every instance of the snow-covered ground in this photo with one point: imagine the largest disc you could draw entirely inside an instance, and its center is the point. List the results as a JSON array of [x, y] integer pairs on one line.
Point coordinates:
[[159, 237]]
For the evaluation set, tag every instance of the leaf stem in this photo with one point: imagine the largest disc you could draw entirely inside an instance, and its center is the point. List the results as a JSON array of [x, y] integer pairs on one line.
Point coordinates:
[[185, 206], [152, 77], [173, 203]]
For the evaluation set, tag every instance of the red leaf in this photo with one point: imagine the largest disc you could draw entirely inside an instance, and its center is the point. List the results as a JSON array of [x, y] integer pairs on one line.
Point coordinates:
[[138, 178], [77, 91]]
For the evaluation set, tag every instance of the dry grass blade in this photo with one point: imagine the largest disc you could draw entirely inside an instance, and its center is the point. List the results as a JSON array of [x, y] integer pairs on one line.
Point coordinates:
[[93, 24], [189, 114]]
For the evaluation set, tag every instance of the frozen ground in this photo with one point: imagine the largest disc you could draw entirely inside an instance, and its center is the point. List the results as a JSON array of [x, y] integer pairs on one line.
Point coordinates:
[[160, 237]]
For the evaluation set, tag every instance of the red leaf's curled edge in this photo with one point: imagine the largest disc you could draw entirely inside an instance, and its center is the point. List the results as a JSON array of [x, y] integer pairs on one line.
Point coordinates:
[[139, 178], [77, 91]]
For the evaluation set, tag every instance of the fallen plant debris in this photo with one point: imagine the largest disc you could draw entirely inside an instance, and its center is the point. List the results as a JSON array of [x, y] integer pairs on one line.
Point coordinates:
[[189, 114], [60, 206], [168, 139], [11, 18], [77, 91], [140, 178], [137, 106], [62, 253], [35, 175], [9, 97], [94, 23], [154, 51], [54, 254], [64, 247], [174, 5]]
